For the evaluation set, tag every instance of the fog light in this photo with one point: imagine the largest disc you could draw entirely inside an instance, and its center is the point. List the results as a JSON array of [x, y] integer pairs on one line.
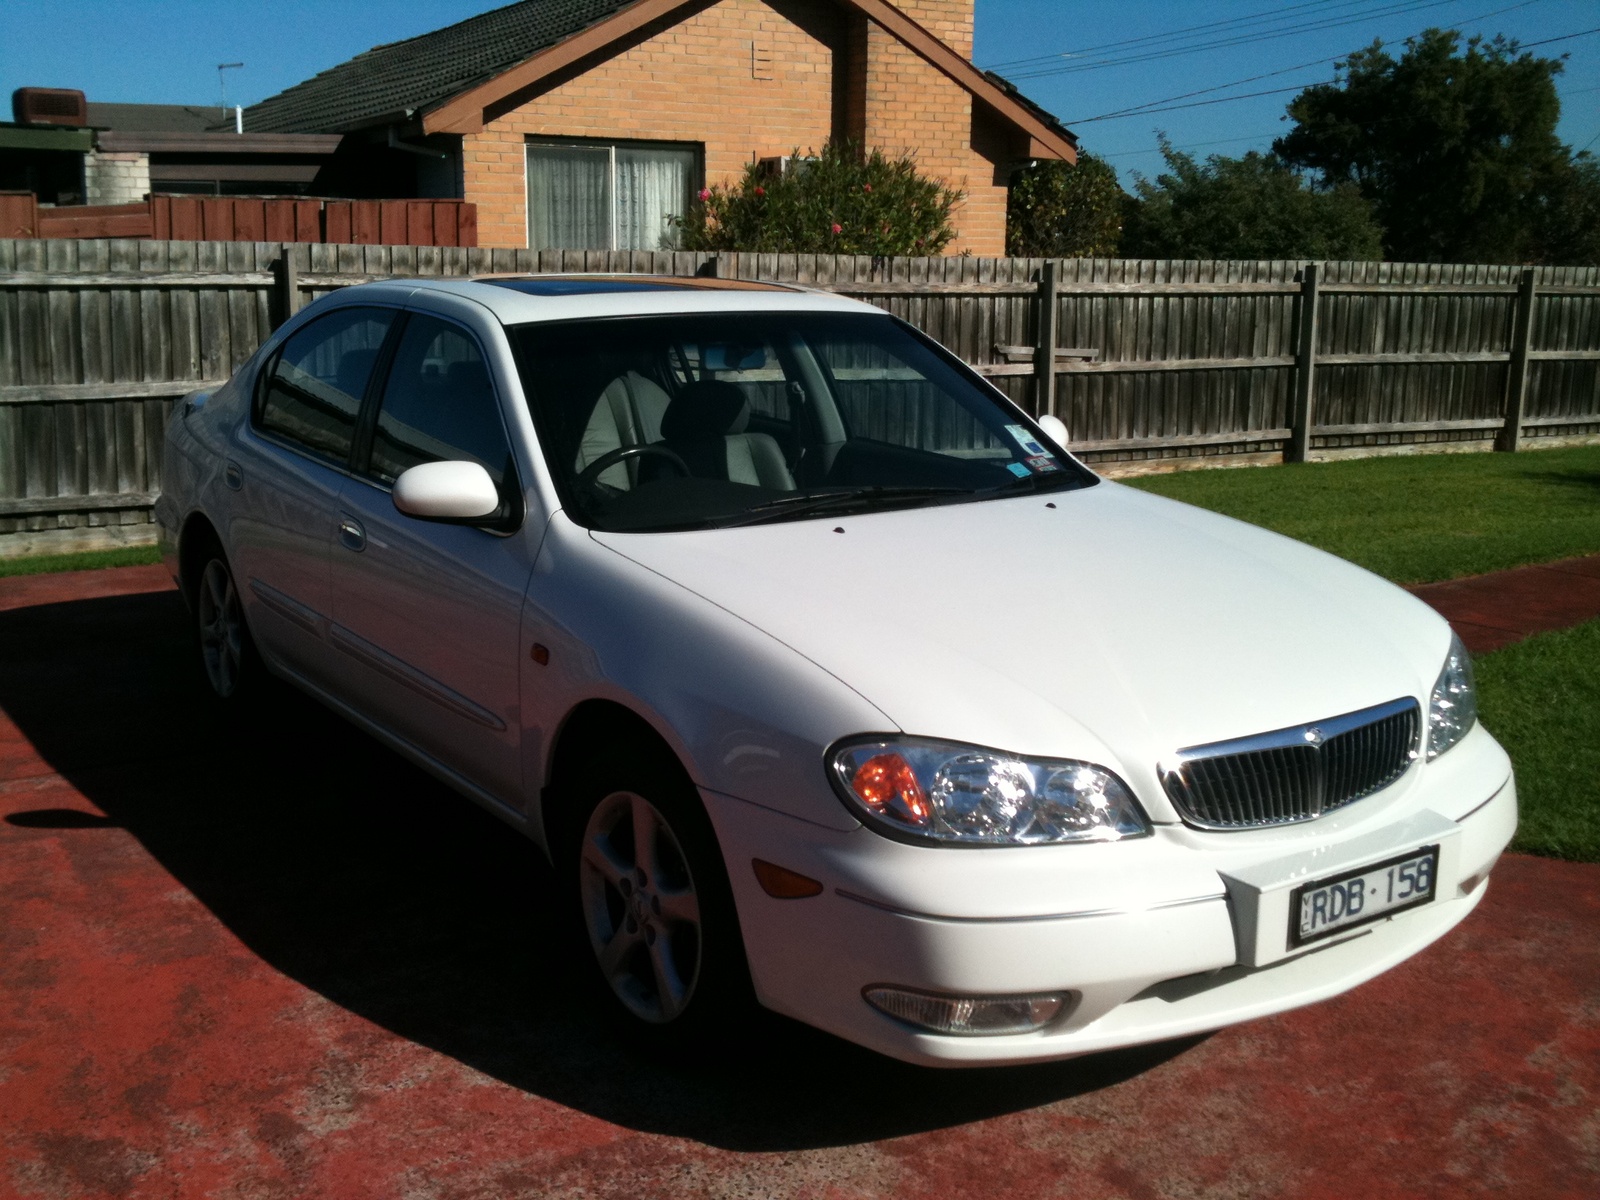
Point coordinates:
[[971, 1016]]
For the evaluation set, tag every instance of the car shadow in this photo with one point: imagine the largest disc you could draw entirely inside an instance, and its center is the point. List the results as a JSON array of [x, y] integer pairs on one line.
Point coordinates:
[[359, 876]]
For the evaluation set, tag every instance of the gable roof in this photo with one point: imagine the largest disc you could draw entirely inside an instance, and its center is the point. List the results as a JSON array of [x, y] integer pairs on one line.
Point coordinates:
[[390, 82], [448, 77]]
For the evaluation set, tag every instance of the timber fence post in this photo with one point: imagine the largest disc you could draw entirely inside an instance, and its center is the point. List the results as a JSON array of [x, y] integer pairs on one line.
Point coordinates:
[[1517, 369], [1302, 402], [1044, 358], [286, 282]]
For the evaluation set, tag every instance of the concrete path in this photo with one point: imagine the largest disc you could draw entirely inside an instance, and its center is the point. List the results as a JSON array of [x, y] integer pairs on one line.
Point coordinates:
[[273, 960], [1490, 611]]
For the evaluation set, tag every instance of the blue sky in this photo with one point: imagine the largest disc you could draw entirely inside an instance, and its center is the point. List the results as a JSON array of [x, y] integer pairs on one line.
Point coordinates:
[[166, 51]]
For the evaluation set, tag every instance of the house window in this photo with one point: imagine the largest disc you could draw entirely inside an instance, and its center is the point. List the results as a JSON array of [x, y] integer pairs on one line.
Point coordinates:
[[608, 196]]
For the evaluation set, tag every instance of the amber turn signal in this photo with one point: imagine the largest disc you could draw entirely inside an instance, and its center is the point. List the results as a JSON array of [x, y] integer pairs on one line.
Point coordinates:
[[540, 654], [783, 884]]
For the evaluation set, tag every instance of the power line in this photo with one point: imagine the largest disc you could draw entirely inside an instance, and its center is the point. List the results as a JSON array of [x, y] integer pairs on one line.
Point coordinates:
[[1566, 37], [1393, 9], [1136, 109], [1172, 35], [1151, 107], [1148, 112]]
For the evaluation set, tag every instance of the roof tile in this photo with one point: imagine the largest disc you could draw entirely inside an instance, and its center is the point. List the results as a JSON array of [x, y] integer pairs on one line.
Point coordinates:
[[423, 71]]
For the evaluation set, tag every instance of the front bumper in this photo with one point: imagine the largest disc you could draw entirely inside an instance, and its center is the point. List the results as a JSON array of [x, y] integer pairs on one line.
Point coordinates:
[[1143, 933]]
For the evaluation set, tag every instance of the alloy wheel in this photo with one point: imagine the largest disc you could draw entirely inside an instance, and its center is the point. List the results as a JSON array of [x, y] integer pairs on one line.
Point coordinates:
[[221, 628], [640, 907]]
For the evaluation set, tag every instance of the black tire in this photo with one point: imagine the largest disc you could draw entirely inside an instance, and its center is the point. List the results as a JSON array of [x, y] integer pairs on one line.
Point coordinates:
[[224, 649], [646, 922]]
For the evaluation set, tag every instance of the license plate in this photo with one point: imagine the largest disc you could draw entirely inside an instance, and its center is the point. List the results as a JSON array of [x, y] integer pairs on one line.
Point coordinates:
[[1326, 906]]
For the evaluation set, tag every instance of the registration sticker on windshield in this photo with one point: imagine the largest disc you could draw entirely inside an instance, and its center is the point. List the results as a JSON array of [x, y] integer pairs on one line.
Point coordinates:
[[1043, 463], [1017, 469], [1030, 444]]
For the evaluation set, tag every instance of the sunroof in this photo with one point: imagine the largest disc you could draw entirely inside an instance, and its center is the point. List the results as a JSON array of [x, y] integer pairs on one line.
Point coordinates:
[[586, 285], [557, 286]]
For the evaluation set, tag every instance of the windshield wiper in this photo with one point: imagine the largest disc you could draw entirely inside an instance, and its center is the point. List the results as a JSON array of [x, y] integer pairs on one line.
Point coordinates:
[[804, 503]]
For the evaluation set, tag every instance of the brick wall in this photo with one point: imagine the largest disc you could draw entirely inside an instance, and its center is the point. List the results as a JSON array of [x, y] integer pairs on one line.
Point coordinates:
[[912, 108], [752, 78], [951, 20], [115, 178]]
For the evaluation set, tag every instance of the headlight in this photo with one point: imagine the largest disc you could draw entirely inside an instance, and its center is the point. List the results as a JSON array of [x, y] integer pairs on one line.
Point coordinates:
[[1453, 708], [950, 793]]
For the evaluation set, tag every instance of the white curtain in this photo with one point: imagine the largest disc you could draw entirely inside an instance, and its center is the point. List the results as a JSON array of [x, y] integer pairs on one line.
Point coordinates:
[[652, 185], [569, 197]]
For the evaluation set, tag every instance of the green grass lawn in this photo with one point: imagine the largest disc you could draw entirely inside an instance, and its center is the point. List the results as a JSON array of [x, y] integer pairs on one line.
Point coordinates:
[[1541, 699], [1418, 518], [89, 560]]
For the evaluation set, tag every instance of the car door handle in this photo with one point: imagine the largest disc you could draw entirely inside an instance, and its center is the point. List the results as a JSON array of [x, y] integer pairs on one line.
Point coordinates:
[[352, 535]]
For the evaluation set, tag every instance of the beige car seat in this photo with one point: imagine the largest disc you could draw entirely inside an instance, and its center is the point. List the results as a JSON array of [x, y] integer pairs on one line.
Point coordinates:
[[628, 413], [706, 425]]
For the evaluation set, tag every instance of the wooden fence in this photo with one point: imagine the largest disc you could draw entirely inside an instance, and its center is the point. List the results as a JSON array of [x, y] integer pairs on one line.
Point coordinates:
[[248, 219], [1151, 364]]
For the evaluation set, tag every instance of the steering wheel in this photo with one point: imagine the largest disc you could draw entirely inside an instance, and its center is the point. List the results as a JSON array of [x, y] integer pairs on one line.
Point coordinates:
[[591, 474]]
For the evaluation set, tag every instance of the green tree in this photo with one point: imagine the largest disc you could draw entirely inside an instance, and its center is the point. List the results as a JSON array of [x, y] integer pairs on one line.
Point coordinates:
[[1250, 207], [840, 202], [1454, 145], [1061, 210], [1569, 218]]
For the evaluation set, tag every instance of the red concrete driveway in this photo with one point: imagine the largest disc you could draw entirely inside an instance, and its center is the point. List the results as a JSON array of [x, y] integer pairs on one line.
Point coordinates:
[[1494, 610], [276, 961]]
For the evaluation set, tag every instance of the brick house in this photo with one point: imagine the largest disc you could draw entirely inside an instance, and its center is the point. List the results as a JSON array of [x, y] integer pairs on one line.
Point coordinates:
[[583, 124]]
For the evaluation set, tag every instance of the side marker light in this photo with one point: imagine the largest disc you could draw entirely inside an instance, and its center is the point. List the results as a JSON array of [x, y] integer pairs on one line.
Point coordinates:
[[783, 884]]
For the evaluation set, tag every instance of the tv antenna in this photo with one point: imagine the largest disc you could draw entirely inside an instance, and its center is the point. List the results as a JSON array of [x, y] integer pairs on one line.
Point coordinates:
[[222, 83]]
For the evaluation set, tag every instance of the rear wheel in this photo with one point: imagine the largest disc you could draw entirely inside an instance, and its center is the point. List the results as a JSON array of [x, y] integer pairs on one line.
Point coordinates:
[[655, 910], [227, 656]]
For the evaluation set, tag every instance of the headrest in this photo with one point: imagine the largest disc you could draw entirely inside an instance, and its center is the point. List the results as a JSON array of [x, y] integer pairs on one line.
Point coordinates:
[[705, 408]]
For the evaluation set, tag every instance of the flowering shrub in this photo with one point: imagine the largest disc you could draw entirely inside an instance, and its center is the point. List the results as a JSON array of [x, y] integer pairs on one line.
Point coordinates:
[[840, 202]]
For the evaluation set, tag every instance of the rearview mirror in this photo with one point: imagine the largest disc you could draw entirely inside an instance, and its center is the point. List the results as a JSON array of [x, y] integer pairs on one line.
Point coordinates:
[[1055, 429], [446, 491]]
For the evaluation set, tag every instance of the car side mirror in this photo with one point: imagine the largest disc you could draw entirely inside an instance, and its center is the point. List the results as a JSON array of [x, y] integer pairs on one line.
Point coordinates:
[[1055, 428], [446, 491]]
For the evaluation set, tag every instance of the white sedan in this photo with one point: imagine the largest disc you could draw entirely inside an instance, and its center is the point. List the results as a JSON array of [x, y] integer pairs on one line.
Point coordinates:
[[824, 674]]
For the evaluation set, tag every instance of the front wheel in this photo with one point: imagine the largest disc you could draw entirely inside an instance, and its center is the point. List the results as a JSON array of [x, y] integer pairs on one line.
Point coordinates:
[[656, 912]]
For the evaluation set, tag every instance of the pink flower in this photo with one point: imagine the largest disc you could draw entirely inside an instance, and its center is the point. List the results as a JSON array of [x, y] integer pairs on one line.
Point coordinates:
[[705, 193], [837, 228], [866, 187]]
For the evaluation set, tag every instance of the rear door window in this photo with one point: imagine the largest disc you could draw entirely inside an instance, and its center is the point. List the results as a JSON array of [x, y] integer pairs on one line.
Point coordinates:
[[312, 394]]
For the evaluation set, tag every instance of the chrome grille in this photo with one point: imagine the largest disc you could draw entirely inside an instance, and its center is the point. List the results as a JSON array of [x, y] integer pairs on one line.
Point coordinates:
[[1294, 774]]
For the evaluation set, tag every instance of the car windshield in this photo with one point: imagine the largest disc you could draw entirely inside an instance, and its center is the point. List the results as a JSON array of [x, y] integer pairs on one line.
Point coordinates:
[[716, 419]]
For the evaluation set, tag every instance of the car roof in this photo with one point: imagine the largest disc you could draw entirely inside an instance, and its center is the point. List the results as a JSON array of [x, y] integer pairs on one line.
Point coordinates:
[[520, 299]]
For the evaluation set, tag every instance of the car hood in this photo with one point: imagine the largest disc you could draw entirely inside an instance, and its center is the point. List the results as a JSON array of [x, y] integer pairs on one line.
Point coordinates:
[[1104, 623]]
